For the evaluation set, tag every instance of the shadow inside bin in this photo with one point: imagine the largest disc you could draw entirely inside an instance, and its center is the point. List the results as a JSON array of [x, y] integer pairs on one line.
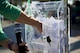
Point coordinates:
[[75, 46]]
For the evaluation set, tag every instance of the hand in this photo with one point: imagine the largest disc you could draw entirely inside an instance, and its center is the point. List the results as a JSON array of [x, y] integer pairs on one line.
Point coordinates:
[[39, 27], [14, 47]]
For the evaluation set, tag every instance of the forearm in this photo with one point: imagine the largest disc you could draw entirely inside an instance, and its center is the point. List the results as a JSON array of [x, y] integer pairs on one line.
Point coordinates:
[[24, 18]]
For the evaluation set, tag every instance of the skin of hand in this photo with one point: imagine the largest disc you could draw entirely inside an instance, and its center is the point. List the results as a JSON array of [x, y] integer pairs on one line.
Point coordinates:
[[14, 46]]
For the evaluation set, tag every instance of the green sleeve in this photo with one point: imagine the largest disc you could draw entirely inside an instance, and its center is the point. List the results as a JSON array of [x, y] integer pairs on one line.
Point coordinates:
[[8, 10], [3, 36]]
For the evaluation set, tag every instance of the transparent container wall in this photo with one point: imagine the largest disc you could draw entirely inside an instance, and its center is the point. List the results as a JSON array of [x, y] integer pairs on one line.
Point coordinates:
[[54, 26]]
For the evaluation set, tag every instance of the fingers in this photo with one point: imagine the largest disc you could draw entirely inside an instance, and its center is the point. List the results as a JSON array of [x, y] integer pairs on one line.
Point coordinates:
[[23, 43], [27, 49], [15, 47]]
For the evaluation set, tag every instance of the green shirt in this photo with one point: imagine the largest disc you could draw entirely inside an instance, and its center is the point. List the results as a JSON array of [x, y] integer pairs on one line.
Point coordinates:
[[10, 12]]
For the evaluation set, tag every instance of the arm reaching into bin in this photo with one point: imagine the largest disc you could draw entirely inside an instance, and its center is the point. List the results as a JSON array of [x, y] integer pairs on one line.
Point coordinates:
[[23, 18], [13, 13]]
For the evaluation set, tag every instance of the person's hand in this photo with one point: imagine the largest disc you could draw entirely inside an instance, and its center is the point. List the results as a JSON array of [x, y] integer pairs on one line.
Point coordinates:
[[39, 27], [14, 47]]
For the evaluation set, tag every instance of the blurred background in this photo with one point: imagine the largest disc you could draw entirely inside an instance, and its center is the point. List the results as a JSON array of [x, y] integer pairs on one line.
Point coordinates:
[[74, 12], [74, 6]]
